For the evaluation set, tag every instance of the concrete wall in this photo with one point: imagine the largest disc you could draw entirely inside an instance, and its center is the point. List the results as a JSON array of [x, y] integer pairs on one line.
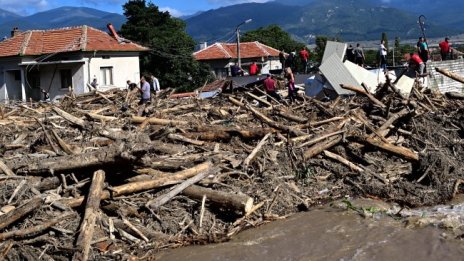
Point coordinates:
[[124, 67], [10, 88], [50, 80], [443, 83]]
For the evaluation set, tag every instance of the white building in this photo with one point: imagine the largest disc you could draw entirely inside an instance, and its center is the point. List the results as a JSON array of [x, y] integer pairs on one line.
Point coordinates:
[[59, 59]]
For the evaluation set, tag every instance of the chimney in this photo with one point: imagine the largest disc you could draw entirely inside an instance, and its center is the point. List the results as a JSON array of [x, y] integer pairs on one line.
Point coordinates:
[[203, 45], [113, 31], [15, 31]]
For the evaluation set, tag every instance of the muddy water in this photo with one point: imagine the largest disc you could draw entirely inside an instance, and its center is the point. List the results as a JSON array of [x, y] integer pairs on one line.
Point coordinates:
[[329, 234]]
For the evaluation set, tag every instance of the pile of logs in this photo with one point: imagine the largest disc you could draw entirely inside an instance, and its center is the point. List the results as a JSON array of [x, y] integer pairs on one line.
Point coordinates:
[[90, 179]]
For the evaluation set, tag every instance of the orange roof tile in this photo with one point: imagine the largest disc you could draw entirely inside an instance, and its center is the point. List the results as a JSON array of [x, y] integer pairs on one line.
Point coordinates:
[[219, 51], [81, 38]]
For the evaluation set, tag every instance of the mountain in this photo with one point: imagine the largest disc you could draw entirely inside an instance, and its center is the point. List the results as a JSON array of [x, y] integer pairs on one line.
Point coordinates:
[[351, 20], [6, 16], [63, 17]]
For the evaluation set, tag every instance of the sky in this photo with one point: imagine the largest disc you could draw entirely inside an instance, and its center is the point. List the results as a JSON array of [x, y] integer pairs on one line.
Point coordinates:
[[175, 7]]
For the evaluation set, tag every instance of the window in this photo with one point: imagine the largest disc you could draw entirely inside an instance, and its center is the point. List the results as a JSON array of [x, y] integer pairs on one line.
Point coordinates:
[[106, 75], [66, 78]]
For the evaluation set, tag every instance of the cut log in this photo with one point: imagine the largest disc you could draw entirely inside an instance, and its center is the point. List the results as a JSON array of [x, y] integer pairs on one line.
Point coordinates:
[[139, 186], [238, 202], [91, 214], [74, 120], [364, 92], [451, 75], [163, 199], [99, 117], [291, 117], [19, 212], [455, 95], [398, 150], [320, 147]]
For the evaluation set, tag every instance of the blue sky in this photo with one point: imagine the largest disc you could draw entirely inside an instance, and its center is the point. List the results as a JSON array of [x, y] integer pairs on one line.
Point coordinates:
[[175, 7]]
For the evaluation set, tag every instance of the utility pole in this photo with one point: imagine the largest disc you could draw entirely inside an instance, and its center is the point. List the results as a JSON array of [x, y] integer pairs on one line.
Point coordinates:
[[237, 31]]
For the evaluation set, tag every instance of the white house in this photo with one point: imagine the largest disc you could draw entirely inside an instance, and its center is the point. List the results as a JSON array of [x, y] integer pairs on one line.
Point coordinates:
[[58, 59]]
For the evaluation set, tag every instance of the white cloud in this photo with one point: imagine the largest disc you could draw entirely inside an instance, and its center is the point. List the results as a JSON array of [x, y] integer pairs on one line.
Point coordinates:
[[23, 7], [172, 11]]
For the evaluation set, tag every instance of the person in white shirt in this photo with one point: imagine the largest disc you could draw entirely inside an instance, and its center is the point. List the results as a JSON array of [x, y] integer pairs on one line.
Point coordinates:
[[155, 84], [383, 55]]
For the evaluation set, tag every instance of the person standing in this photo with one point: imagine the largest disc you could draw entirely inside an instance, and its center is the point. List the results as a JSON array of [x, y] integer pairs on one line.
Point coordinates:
[[144, 91], [415, 60], [304, 56], [290, 61], [282, 60], [270, 86], [445, 49], [155, 84], [290, 84], [383, 55], [253, 69], [359, 55], [423, 49], [350, 54]]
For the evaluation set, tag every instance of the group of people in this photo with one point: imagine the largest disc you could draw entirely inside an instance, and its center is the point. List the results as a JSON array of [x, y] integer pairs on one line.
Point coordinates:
[[356, 55], [291, 60]]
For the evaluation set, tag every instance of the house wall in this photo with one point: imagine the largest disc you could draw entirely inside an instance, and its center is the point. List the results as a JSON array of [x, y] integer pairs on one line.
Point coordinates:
[[50, 79], [444, 83], [124, 67], [10, 87]]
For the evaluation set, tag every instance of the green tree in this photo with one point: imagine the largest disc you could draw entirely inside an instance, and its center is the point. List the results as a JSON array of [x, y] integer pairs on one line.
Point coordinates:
[[170, 56], [273, 36]]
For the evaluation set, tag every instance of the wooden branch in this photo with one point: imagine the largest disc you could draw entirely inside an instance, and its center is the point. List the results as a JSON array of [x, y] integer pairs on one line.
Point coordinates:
[[23, 210], [398, 150], [64, 146], [291, 117], [364, 92], [32, 231], [454, 95], [451, 75], [319, 138], [5, 169], [392, 119], [238, 202], [99, 117], [259, 99], [178, 137], [139, 186], [319, 123], [156, 121], [342, 160], [90, 216], [163, 199], [74, 120], [318, 148], [256, 150]]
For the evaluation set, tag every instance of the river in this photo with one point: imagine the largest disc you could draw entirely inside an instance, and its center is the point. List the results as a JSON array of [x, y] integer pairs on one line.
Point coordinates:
[[330, 233]]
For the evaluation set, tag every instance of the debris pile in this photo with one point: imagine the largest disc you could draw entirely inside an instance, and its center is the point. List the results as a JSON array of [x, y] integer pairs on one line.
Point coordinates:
[[89, 179]]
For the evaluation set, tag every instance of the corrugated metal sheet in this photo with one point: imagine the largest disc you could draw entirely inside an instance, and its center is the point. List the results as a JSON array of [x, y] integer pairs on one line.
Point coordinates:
[[364, 76], [336, 73], [334, 48]]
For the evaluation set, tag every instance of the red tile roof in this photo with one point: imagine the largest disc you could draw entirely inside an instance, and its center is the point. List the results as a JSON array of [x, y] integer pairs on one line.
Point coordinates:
[[219, 51], [82, 38]]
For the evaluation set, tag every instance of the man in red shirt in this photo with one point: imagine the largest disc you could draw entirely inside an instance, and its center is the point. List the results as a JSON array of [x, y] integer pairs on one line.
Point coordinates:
[[270, 86], [445, 49], [304, 56], [253, 69], [417, 61]]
